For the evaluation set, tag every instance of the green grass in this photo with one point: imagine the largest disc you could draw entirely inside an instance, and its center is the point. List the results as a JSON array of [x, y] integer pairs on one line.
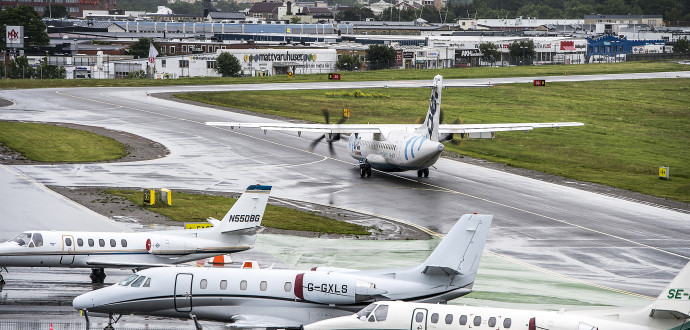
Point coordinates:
[[197, 208], [50, 143], [632, 127], [393, 74]]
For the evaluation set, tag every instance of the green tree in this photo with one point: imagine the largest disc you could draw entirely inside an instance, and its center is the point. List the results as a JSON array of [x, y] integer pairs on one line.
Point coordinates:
[[489, 52], [26, 16], [48, 71], [140, 49], [186, 8], [522, 52], [19, 68], [57, 11], [380, 57], [681, 46], [355, 14], [348, 62], [139, 74], [228, 65], [295, 20]]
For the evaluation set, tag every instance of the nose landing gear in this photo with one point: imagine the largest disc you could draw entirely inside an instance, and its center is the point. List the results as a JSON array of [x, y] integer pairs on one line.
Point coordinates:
[[423, 172], [364, 169], [97, 275]]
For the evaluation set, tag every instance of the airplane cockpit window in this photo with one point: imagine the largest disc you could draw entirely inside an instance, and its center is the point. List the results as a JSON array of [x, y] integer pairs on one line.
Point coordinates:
[[37, 239], [22, 239], [362, 314], [585, 326], [138, 282], [381, 313], [147, 283], [128, 280]]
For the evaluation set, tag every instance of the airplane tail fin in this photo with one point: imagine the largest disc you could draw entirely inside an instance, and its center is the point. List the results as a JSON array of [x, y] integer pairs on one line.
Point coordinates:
[[461, 250], [674, 300], [433, 116], [247, 212]]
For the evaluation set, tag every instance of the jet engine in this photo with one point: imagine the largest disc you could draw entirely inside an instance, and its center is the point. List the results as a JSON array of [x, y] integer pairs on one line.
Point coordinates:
[[161, 245], [334, 288]]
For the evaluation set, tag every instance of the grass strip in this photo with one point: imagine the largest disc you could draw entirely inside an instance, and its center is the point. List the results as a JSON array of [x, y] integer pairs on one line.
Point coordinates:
[[632, 127], [197, 208], [51, 143], [392, 74]]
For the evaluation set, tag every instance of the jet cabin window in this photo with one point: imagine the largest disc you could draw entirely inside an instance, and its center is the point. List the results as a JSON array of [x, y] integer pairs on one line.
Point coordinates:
[[243, 285], [101, 242], [203, 284], [80, 242], [91, 242], [123, 242], [112, 242], [434, 318]]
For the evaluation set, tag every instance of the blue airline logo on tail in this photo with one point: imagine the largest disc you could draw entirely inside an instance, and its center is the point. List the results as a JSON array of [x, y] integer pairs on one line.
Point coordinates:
[[432, 112], [410, 145]]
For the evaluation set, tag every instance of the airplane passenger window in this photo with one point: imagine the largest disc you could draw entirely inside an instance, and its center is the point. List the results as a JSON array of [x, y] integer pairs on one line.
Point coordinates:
[[381, 313], [492, 322], [243, 285], [37, 239], [68, 241], [91, 242], [112, 242], [288, 286], [223, 284], [138, 282], [147, 283], [80, 242], [434, 318], [123, 242], [128, 280], [101, 242], [22, 239], [507, 323], [203, 284], [449, 318], [364, 312], [419, 317], [263, 285], [463, 319], [477, 321]]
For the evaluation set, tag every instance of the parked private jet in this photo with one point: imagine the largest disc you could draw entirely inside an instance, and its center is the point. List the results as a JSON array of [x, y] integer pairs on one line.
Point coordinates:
[[398, 147], [671, 310], [290, 298], [98, 250]]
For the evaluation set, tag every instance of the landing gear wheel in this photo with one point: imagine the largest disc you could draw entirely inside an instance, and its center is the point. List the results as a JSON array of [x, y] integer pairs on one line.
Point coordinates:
[[97, 275], [419, 173], [425, 172], [2, 280], [368, 170], [362, 171]]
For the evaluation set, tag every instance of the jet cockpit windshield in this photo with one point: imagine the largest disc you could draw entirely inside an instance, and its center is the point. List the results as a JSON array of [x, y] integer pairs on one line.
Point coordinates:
[[373, 313], [28, 239]]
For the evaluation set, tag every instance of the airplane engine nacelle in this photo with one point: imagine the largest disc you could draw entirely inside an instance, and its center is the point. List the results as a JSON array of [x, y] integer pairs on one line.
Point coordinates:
[[445, 137], [334, 288], [161, 245]]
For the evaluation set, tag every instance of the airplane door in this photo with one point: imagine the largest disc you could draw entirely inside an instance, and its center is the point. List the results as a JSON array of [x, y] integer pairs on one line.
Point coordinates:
[[68, 249], [418, 319], [183, 292]]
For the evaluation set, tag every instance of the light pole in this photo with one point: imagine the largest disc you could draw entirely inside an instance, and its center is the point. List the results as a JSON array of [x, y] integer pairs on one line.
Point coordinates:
[[523, 54]]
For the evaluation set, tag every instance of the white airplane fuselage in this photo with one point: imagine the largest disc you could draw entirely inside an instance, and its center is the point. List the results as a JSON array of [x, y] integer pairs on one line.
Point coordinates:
[[398, 151], [89, 249]]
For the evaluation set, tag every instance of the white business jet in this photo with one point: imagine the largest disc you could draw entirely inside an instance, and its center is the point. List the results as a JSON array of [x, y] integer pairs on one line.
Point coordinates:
[[98, 250], [398, 147], [290, 298], [671, 310]]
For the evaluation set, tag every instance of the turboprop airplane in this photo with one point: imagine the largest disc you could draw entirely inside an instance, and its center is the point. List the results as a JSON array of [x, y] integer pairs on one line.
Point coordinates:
[[671, 310], [290, 298], [397, 147], [98, 250]]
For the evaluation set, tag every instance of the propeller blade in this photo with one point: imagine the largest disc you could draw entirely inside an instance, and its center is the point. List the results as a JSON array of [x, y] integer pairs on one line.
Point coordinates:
[[326, 115], [315, 142], [331, 149]]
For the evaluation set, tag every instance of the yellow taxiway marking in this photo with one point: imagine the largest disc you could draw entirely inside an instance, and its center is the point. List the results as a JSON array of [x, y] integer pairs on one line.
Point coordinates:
[[424, 229]]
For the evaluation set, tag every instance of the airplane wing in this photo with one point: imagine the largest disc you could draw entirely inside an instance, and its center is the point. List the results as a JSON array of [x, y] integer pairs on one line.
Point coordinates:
[[262, 321], [124, 265], [316, 128], [480, 128]]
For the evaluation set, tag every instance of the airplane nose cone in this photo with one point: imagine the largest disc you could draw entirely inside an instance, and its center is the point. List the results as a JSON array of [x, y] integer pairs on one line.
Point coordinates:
[[85, 301]]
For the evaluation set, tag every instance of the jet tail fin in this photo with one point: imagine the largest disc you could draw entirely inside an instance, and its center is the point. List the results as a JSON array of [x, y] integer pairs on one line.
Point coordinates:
[[433, 116], [247, 212], [674, 300], [461, 250]]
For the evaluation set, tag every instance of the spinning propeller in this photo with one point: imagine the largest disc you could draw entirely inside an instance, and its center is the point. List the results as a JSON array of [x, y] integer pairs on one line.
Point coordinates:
[[330, 137]]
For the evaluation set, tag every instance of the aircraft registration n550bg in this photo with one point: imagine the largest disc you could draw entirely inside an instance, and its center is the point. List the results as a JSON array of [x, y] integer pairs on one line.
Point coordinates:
[[98, 250], [398, 147]]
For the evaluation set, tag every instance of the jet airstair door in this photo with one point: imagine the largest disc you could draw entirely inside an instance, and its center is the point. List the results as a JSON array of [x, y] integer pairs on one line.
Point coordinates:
[[418, 319], [183, 292], [67, 258]]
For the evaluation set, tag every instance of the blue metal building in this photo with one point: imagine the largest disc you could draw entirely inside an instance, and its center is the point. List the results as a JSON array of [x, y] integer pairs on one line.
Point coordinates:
[[612, 46]]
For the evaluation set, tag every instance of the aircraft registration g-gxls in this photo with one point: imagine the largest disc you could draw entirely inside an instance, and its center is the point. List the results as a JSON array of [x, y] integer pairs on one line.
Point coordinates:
[[291, 298], [671, 310], [98, 250], [398, 147]]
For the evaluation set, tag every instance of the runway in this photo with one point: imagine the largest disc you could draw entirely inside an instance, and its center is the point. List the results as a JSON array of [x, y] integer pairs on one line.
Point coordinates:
[[589, 237]]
